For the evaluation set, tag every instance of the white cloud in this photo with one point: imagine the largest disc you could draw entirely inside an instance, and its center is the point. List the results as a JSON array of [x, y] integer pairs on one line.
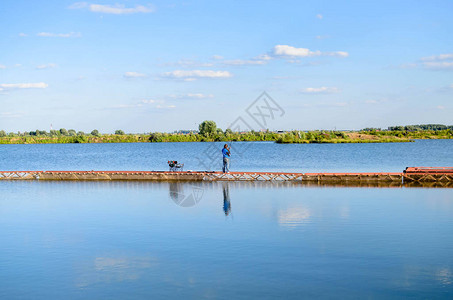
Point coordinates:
[[336, 53], [241, 62], [440, 107], [39, 85], [23, 34], [440, 57], [320, 90], [152, 101], [285, 50], [319, 16], [322, 37], [263, 57], [2, 67], [441, 62], [194, 74], [292, 52], [120, 9], [62, 35], [199, 95], [134, 75], [46, 66], [78, 5], [444, 65], [258, 60], [117, 9], [192, 96]]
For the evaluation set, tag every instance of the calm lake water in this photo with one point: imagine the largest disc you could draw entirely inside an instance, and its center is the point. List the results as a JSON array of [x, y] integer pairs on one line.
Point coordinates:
[[161, 240], [122, 240], [257, 156]]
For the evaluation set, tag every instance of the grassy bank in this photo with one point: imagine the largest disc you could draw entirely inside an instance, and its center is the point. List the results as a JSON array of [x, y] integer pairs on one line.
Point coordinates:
[[297, 137], [282, 138], [105, 138], [363, 136]]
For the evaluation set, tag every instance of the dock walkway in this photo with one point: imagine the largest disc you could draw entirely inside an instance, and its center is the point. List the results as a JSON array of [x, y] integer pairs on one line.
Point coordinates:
[[415, 174]]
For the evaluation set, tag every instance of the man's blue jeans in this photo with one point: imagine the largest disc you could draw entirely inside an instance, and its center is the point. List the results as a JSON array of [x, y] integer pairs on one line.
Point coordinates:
[[226, 165]]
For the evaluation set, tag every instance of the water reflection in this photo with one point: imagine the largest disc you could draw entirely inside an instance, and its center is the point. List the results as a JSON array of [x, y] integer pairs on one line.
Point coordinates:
[[445, 276], [377, 184], [111, 269], [294, 217], [197, 188], [176, 191], [188, 198], [226, 199]]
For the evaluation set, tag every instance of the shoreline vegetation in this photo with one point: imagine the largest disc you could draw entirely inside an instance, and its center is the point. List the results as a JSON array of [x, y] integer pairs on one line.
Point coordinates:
[[208, 132]]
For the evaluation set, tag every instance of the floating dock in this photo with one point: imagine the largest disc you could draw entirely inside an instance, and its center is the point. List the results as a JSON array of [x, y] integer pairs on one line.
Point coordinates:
[[413, 174]]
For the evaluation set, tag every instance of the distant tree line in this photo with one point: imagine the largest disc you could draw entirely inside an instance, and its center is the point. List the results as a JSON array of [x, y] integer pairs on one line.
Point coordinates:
[[434, 127], [208, 132], [56, 133]]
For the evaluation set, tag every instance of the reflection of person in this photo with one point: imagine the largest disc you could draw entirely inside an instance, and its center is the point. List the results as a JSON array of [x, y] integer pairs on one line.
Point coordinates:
[[226, 159], [226, 200]]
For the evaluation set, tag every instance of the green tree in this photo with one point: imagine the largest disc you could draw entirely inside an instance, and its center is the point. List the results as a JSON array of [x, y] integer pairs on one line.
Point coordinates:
[[80, 133], [95, 132], [80, 139], [72, 132], [53, 132], [63, 132], [155, 137], [2, 133], [207, 128], [120, 132]]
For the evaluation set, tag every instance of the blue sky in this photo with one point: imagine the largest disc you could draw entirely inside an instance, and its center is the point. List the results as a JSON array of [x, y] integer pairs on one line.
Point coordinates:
[[166, 65]]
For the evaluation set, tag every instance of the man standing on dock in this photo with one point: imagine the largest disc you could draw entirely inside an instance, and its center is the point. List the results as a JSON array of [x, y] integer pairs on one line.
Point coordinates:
[[226, 159]]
